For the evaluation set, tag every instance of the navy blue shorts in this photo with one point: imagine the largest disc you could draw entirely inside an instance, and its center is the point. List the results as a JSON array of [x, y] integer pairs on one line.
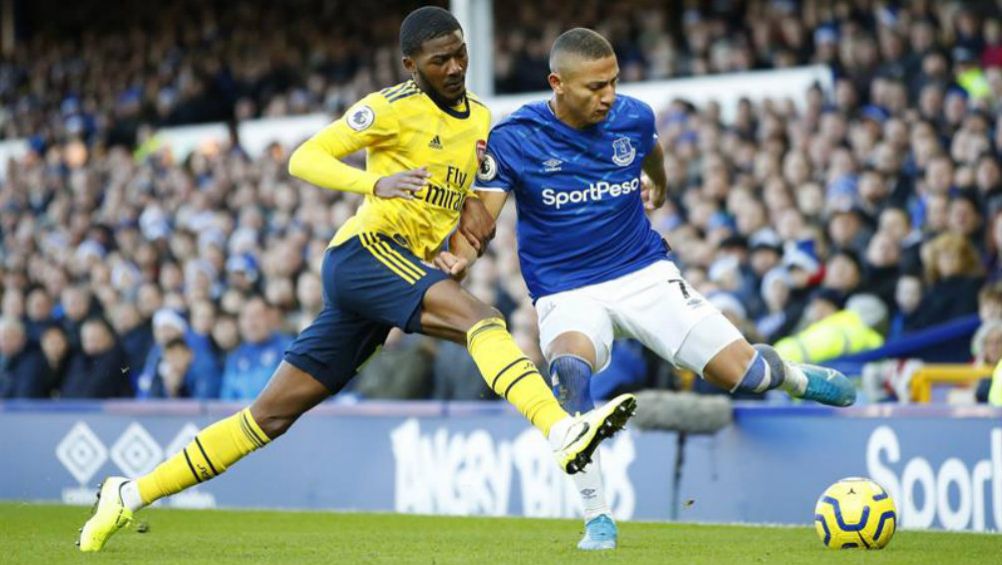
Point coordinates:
[[370, 285]]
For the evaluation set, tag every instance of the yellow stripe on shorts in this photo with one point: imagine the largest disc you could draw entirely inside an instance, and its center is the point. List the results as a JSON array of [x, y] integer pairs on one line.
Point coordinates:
[[418, 271], [369, 243], [380, 246]]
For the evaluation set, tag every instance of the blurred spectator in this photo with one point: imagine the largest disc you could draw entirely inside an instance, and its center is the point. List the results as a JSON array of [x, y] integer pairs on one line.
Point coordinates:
[[990, 302], [993, 247], [251, 364], [23, 370], [907, 298], [76, 306], [168, 325], [986, 347], [39, 314], [776, 295], [100, 370], [883, 257], [135, 334], [953, 276], [56, 348], [226, 335], [173, 371], [844, 332], [205, 373], [843, 272]]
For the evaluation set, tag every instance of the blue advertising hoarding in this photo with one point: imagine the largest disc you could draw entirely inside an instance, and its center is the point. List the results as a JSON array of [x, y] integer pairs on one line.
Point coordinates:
[[943, 466]]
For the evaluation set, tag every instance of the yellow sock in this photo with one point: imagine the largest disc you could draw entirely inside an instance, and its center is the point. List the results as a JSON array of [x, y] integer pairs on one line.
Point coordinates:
[[212, 451], [511, 375]]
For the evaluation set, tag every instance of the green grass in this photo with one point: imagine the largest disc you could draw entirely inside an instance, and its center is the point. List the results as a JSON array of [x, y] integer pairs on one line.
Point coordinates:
[[45, 534]]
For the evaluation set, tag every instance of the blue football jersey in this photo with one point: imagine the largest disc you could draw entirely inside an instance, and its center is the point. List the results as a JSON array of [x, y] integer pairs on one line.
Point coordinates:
[[581, 218]]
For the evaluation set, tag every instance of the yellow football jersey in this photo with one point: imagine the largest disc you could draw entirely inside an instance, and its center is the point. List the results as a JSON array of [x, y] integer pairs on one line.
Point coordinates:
[[402, 128]]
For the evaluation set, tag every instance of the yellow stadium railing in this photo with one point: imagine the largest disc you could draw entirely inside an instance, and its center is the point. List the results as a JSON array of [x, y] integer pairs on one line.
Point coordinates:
[[929, 376]]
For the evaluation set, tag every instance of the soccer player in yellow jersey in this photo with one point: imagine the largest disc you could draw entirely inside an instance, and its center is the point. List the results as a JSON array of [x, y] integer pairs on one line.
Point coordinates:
[[383, 269]]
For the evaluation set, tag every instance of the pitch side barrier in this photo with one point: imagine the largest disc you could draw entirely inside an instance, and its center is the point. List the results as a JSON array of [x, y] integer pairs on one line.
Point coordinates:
[[942, 465], [949, 342]]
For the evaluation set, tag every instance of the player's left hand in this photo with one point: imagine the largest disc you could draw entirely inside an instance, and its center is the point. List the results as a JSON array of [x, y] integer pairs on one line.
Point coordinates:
[[453, 265], [476, 224], [652, 194]]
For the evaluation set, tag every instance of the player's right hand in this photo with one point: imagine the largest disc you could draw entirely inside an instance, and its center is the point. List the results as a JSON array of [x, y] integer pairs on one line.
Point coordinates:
[[476, 224], [402, 185], [452, 265]]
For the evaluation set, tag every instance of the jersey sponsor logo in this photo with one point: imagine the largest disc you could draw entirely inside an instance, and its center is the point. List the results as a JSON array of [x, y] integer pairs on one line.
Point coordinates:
[[443, 197], [623, 152], [595, 192], [435, 143], [361, 118], [488, 170]]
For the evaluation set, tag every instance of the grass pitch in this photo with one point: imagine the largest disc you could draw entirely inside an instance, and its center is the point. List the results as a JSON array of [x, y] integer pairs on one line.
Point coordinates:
[[45, 534]]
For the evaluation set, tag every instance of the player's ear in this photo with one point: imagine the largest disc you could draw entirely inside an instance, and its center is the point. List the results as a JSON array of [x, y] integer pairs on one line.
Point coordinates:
[[555, 83], [410, 65]]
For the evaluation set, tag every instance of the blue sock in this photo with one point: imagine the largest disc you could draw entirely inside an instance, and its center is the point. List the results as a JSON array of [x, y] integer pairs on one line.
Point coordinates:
[[571, 379], [765, 372]]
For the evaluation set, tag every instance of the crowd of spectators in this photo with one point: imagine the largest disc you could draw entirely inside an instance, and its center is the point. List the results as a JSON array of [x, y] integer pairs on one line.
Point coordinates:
[[876, 205]]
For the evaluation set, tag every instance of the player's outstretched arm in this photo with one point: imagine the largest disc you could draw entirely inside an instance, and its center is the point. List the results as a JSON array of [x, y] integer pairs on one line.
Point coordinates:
[[657, 189]]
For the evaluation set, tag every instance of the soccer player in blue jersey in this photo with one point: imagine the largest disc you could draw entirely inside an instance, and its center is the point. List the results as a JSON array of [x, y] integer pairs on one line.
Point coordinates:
[[594, 266]]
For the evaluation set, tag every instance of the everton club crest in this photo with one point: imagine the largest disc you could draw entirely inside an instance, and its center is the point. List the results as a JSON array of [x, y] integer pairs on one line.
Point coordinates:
[[622, 152]]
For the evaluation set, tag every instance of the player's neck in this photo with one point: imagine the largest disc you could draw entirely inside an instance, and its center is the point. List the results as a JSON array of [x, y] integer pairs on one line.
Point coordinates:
[[439, 101], [561, 113]]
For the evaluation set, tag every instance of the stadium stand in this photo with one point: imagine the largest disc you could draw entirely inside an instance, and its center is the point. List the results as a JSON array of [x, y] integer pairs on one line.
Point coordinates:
[[889, 185]]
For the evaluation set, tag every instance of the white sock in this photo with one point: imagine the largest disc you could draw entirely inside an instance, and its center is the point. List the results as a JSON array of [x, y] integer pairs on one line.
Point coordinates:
[[589, 485], [796, 380], [130, 496]]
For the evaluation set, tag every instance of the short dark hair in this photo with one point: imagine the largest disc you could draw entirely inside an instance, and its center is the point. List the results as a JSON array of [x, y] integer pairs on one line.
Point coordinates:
[[582, 42], [425, 24]]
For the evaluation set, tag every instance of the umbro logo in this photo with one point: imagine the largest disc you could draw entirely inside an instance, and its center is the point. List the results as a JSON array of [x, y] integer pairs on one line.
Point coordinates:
[[552, 165], [435, 143]]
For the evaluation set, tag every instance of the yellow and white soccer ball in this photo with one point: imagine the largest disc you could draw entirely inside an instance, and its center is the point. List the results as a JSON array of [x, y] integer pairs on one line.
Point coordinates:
[[855, 512]]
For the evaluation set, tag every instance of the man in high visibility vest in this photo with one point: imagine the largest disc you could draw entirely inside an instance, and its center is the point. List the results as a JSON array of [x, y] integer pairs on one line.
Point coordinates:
[[845, 332]]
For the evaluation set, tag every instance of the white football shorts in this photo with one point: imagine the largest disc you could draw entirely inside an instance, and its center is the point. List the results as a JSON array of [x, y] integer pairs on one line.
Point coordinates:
[[653, 305]]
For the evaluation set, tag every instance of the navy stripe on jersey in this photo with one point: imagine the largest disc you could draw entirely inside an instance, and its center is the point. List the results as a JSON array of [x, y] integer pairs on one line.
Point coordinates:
[[390, 91], [402, 95]]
